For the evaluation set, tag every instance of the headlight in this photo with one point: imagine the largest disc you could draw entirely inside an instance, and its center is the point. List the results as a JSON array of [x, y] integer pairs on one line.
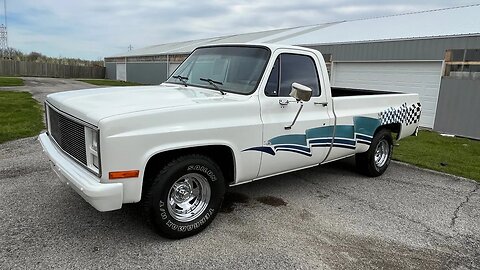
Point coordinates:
[[92, 147], [94, 140]]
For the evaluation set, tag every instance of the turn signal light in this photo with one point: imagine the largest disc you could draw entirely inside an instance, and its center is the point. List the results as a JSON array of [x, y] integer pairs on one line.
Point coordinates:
[[123, 174]]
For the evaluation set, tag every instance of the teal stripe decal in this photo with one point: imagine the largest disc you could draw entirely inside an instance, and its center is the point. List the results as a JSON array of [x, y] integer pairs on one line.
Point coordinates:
[[346, 136], [319, 132], [365, 125], [344, 131], [290, 139]]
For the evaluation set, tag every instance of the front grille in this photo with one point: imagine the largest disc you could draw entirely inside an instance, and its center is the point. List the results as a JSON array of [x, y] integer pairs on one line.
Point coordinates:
[[68, 134]]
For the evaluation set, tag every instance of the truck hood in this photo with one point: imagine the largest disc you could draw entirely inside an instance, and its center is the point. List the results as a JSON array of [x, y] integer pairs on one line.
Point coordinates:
[[92, 105]]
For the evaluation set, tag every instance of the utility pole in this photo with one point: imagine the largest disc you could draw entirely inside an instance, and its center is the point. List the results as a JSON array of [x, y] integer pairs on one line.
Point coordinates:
[[3, 33]]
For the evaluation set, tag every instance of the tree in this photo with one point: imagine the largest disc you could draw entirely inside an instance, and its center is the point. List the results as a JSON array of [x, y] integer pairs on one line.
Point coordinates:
[[17, 55], [34, 56]]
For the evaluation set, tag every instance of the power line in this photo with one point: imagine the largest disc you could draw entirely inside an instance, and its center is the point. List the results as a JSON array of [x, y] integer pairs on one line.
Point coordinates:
[[5, 9], [4, 34], [416, 12]]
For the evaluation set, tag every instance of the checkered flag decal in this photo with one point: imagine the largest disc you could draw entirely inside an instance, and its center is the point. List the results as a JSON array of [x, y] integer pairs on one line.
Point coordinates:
[[413, 115], [404, 114]]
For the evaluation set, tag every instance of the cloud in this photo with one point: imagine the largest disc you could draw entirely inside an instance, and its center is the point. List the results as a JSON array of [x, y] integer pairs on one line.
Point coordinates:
[[92, 29]]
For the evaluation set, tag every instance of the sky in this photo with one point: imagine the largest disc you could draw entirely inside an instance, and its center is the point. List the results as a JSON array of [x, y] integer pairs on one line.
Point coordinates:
[[93, 29]]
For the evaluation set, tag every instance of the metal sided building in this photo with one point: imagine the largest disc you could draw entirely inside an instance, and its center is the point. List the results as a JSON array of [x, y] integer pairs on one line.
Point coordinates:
[[434, 53]]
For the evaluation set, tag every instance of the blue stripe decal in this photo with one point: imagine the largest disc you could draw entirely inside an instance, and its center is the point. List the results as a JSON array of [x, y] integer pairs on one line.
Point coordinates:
[[363, 137], [364, 142], [343, 141], [265, 149], [344, 146], [312, 141], [295, 151], [301, 148], [346, 136], [321, 145]]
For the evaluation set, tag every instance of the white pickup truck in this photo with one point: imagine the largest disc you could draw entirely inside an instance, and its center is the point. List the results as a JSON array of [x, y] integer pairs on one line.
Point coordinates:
[[229, 114]]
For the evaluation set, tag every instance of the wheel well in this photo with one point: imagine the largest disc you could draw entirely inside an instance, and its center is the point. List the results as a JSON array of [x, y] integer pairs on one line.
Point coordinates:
[[393, 127], [220, 154]]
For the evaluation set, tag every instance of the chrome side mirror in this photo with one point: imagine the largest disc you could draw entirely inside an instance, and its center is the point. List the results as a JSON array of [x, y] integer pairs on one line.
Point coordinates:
[[301, 92]]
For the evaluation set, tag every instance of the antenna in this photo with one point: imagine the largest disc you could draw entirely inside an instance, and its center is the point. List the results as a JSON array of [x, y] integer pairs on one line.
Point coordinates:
[[3, 34]]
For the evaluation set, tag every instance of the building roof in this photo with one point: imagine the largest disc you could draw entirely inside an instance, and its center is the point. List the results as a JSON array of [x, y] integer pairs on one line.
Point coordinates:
[[457, 21]]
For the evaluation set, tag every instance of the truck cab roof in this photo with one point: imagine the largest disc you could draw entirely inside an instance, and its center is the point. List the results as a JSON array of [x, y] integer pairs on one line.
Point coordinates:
[[271, 46]]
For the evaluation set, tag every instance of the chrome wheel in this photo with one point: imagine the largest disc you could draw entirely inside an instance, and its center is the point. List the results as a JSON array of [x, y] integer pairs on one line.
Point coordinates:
[[381, 153], [188, 197]]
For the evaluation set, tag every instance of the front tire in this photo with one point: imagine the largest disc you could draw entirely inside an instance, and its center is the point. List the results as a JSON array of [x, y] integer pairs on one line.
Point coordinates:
[[185, 196], [375, 161]]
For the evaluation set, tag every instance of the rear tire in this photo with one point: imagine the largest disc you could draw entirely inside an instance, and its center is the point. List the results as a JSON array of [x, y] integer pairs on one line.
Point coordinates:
[[184, 197], [375, 161]]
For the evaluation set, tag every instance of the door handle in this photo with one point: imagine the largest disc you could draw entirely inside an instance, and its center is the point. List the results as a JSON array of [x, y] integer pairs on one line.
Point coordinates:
[[324, 104], [283, 102]]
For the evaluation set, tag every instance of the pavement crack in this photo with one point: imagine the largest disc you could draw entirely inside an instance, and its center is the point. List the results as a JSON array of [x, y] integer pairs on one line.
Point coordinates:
[[460, 206], [374, 207]]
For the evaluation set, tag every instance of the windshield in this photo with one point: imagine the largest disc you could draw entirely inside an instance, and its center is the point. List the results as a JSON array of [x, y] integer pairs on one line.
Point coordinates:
[[228, 68]]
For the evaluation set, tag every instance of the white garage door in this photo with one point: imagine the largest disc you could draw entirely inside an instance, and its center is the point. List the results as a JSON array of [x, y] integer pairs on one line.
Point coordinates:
[[407, 77], [122, 72]]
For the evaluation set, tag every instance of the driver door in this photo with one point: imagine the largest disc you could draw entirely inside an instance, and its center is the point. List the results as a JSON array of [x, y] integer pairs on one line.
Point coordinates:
[[308, 141]]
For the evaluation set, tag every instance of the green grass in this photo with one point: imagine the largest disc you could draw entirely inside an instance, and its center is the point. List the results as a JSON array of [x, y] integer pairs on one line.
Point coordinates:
[[110, 82], [20, 116], [430, 150], [9, 81]]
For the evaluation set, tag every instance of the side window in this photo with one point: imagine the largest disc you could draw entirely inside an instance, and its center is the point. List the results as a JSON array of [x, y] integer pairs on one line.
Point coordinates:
[[271, 89], [300, 69]]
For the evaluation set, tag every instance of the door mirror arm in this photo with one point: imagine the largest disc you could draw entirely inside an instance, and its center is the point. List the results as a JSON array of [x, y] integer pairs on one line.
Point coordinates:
[[296, 116], [301, 93]]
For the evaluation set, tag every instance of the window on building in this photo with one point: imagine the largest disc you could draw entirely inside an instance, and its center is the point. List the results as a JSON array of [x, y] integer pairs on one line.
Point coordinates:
[[177, 58], [463, 63], [173, 59], [290, 68], [160, 58], [140, 59], [115, 60]]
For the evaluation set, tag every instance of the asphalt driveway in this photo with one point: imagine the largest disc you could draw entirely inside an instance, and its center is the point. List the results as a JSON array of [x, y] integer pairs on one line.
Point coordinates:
[[327, 217], [40, 87]]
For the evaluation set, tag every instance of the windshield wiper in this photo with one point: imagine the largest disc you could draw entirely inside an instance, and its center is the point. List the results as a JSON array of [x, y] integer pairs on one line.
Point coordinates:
[[214, 84], [183, 79]]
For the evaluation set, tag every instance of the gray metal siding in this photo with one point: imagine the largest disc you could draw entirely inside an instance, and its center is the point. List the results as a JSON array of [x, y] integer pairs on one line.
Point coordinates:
[[111, 71], [416, 49], [458, 107], [147, 73]]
